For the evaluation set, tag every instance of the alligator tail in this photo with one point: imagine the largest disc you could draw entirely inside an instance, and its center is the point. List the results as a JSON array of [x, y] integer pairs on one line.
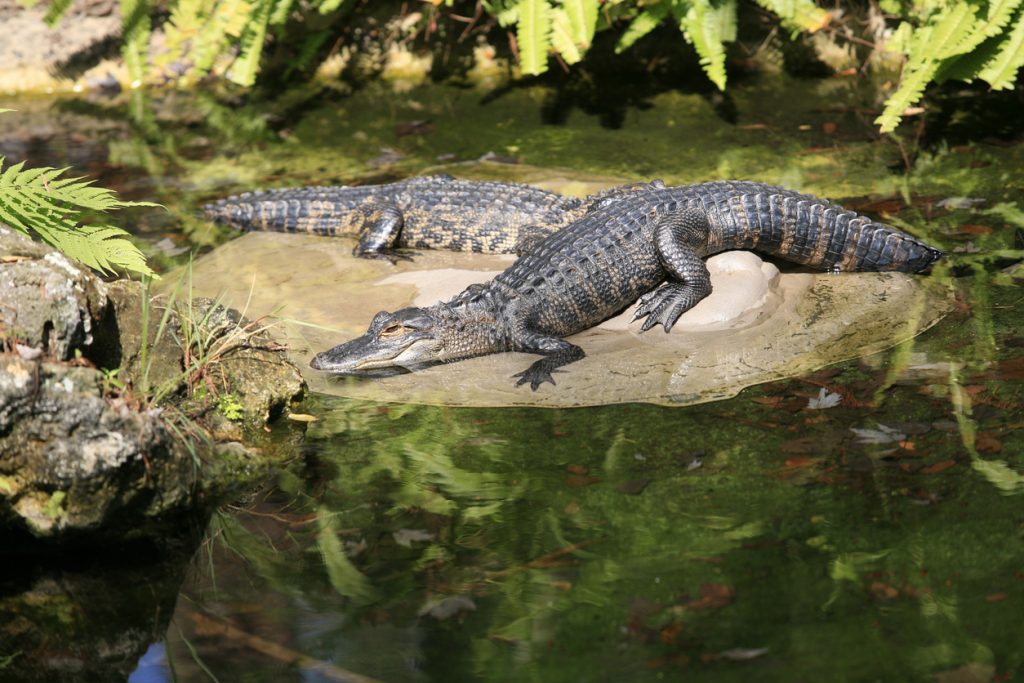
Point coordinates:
[[319, 210], [818, 233]]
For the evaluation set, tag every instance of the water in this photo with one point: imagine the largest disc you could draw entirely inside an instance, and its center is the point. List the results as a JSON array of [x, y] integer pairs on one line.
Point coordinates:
[[877, 537]]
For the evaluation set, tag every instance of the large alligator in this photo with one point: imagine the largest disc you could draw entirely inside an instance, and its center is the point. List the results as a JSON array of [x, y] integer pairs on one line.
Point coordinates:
[[614, 255], [429, 212]]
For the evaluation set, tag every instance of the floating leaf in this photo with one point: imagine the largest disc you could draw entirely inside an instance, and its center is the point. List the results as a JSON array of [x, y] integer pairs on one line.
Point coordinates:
[[824, 400]]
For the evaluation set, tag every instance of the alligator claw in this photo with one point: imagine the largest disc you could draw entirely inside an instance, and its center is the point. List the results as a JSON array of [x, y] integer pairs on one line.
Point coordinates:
[[664, 305], [392, 257], [536, 374]]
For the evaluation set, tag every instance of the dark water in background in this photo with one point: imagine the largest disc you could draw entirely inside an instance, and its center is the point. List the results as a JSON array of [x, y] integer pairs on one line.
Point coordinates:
[[881, 539]]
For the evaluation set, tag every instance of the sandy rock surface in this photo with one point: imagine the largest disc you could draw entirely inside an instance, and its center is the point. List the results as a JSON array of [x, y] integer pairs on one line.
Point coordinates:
[[757, 326]]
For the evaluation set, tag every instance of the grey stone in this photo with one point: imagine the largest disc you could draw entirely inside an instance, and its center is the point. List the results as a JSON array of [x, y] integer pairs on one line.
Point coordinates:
[[47, 301]]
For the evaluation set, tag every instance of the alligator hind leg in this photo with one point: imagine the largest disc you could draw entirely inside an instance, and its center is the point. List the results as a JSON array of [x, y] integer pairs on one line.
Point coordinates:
[[557, 352], [678, 236], [380, 231], [529, 236]]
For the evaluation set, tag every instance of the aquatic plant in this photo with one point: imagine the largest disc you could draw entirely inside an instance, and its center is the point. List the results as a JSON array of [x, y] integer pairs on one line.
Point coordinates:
[[39, 201]]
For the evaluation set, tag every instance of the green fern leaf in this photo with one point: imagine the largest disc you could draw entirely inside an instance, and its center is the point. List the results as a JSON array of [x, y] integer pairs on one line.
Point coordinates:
[[998, 15], [182, 27], [328, 6], [533, 35], [644, 23], [1001, 71], [135, 29], [702, 27], [38, 201], [562, 37], [506, 11], [244, 69], [938, 39], [798, 15], [282, 9], [582, 15], [56, 11], [225, 19]]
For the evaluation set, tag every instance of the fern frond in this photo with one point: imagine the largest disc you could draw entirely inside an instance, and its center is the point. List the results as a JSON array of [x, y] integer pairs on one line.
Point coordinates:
[[938, 39], [182, 27], [533, 35], [702, 26], [582, 16], [644, 23], [56, 11], [243, 70], [213, 36], [279, 15], [1001, 71], [798, 15], [103, 247], [562, 38], [328, 6], [506, 11], [38, 201], [135, 30]]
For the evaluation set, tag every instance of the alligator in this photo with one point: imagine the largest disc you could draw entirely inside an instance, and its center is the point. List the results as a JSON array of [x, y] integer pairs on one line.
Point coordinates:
[[647, 246], [429, 212]]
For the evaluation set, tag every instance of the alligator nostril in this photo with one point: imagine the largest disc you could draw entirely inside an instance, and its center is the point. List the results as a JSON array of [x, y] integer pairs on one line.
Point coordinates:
[[315, 363]]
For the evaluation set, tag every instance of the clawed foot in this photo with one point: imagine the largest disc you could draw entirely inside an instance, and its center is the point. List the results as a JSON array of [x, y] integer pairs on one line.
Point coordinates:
[[392, 257], [664, 305], [537, 374]]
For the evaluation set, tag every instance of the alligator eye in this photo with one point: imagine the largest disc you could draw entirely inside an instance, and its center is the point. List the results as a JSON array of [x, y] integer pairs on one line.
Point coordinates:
[[392, 330]]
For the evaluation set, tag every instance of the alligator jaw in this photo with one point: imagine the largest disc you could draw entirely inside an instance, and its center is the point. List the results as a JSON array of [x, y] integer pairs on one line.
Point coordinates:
[[404, 339]]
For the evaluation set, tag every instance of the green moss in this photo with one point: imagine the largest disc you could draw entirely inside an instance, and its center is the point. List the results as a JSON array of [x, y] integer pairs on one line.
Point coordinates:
[[55, 505]]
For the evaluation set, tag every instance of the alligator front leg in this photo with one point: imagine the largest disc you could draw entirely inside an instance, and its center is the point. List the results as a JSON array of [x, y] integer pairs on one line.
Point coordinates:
[[381, 226], [677, 237], [557, 352]]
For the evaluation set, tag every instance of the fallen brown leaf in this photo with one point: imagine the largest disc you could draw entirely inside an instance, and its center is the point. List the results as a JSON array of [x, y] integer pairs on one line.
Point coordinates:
[[938, 467], [713, 596], [986, 443]]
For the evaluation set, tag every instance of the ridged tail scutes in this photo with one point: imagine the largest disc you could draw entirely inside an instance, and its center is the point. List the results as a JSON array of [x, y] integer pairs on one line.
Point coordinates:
[[815, 232]]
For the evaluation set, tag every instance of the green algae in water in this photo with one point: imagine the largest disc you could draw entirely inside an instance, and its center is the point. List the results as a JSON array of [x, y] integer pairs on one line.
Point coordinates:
[[636, 543]]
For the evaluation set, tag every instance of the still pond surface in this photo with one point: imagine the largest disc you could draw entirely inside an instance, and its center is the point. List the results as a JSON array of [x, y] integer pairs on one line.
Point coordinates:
[[861, 523]]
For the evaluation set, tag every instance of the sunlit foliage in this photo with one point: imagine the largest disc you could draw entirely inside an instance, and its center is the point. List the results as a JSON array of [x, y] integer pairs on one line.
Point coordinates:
[[936, 39], [39, 201]]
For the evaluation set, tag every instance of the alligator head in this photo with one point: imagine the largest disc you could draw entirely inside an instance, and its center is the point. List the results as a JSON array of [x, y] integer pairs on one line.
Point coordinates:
[[403, 339]]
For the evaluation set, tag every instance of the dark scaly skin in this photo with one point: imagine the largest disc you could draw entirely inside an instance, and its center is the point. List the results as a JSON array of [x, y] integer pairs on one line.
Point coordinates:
[[647, 245], [430, 212]]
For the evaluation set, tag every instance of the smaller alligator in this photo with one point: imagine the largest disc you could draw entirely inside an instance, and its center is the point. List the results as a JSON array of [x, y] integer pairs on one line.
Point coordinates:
[[647, 245], [429, 212]]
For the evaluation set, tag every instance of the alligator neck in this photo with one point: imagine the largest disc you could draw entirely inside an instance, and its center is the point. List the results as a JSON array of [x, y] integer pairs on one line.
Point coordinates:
[[468, 327]]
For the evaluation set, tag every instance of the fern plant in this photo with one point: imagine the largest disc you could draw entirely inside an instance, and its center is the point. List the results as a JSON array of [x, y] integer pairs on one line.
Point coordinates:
[[39, 201], [956, 40], [939, 39]]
